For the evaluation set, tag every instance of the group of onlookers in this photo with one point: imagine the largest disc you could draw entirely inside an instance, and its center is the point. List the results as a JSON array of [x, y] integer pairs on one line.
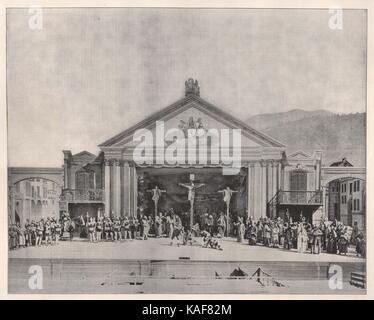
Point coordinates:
[[331, 237], [34, 233]]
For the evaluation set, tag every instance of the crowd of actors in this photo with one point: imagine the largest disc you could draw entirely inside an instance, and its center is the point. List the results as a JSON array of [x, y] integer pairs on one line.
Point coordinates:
[[326, 236], [331, 237], [49, 231]]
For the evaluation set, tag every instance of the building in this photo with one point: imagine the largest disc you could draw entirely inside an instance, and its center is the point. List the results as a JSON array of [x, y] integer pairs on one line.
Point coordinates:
[[35, 199], [347, 198], [268, 183]]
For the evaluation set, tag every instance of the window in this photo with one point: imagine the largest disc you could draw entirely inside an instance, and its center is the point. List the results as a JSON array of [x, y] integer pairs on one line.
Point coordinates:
[[358, 204], [354, 204], [85, 180], [350, 188], [358, 185]]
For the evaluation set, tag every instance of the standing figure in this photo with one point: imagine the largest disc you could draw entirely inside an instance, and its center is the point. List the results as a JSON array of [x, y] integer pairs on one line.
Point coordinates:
[[117, 229], [302, 238], [240, 229], [317, 240], [47, 232], [126, 228], [91, 229], [146, 227], [275, 235], [177, 228], [108, 229], [158, 225], [156, 194], [191, 196], [99, 228], [227, 194], [221, 224], [39, 232], [57, 231]]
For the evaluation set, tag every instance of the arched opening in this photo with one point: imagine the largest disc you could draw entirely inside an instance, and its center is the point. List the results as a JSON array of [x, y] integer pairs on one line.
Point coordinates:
[[345, 201], [35, 198]]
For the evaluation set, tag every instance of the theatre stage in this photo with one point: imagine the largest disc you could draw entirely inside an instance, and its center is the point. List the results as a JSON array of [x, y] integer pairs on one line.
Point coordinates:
[[152, 266], [159, 249]]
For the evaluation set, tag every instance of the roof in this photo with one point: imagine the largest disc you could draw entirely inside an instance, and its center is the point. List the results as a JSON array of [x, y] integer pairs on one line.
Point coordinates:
[[204, 106], [343, 163], [84, 156]]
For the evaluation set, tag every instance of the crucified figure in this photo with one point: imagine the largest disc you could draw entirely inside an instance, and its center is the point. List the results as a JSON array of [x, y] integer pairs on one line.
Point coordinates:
[[156, 194], [191, 196], [227, 194]]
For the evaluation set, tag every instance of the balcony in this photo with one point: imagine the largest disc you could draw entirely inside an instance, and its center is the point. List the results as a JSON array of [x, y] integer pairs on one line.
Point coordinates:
[[86, 195], [299, 197]]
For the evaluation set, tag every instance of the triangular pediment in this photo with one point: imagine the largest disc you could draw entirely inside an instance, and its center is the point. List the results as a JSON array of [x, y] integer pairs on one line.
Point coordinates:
[[192, 111], [300, 155], [84, 156]]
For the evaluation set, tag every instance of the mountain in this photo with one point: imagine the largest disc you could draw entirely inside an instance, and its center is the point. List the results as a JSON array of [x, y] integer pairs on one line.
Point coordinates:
[[268, 120], [336, 135]]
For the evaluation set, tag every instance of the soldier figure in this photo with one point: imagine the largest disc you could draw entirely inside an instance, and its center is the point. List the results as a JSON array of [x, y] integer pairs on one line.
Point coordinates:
[[57, 232], [91, 229]]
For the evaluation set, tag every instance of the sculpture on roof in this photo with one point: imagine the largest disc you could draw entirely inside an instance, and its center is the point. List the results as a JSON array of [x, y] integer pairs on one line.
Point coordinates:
[[192, 87]]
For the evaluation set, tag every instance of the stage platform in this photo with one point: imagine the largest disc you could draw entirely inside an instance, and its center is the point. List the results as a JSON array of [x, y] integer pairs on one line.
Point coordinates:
[[159, 249], [152, 266]]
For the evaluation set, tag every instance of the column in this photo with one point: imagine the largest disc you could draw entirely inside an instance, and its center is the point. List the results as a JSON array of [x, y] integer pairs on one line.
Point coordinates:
[[135, 191], [318, 175], [257, 191], [107, 187], [249, 191], [275, 178], [263, 190], [65, 174], [269, 181], [126, 188], [325, 201], [13, 204], [280, 185], [116, 190]]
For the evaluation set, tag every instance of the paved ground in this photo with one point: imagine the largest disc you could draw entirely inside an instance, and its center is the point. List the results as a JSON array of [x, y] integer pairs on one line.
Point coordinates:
[[192, 286], [159, 249]]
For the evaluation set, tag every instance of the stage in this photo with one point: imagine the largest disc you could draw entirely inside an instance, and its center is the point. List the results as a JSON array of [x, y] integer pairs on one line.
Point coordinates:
[[152, 266], [159, 249]]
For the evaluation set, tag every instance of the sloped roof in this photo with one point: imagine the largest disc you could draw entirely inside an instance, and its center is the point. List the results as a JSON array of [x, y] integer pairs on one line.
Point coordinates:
[[84, 156], [203, 106], [343, 163], [300, 154]]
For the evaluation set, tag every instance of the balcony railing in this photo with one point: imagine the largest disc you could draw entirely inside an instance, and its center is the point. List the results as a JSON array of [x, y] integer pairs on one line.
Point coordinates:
[[300, 197], [82, 195]]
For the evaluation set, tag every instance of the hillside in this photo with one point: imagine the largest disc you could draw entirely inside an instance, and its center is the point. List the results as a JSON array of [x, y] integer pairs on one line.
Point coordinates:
[[337, 136]]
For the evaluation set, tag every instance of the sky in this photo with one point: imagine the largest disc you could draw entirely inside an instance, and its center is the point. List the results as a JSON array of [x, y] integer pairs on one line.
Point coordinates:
[[89, 74]]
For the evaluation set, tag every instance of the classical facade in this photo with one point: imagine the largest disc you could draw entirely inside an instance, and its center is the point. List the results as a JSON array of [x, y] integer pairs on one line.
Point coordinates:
[[268, 183]]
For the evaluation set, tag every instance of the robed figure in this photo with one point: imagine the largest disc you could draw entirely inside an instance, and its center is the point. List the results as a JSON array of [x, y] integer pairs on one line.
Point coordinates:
[[191, 196], [227, 194], [156, 194]]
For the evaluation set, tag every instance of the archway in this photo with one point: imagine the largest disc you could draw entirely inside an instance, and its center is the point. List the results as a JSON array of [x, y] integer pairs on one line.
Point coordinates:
[[345, 200], [34, 198]]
